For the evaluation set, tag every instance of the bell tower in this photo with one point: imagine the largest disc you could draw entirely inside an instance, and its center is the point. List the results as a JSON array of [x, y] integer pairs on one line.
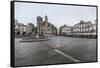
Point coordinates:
[[46, 18], [46, 23], [39, 21]]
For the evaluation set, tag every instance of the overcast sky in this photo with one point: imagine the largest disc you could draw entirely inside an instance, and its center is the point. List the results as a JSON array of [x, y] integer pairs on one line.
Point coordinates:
[[57, 14]]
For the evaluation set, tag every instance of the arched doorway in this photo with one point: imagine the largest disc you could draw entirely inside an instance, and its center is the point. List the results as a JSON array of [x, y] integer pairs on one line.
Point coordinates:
[[18, 33], [24, 33]]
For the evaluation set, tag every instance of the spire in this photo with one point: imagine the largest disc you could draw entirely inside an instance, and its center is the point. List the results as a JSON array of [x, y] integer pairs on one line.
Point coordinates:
[[46, 17]]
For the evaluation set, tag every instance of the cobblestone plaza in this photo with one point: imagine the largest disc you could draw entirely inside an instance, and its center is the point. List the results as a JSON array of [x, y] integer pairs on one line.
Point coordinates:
[[58, 49]]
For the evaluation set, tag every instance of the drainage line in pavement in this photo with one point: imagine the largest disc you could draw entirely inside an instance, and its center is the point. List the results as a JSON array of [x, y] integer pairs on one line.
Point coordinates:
[[62, 53], [66, 55]]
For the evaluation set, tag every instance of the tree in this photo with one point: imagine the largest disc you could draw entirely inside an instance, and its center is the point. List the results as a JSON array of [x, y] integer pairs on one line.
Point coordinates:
[[30, 24], [91, 31], [16, 21]]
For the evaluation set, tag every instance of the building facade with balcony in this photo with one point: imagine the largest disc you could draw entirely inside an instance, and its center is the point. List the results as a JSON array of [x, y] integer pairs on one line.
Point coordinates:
[[81, 29]]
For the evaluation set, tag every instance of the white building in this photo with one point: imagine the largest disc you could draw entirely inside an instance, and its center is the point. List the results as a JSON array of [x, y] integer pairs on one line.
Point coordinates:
[[65, 30], [82, 27], [21, 29]]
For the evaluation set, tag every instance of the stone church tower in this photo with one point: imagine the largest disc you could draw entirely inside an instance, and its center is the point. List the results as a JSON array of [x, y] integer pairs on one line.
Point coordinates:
[[46, 24], [46, 18], [39, 20], [44, 27]]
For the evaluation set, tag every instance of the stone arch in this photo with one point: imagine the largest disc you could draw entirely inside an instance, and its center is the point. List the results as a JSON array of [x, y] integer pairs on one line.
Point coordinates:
[[24, 33], [18, 33]]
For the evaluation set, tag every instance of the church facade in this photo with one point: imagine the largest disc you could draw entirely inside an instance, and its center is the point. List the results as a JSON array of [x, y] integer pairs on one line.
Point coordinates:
[[44, 27]]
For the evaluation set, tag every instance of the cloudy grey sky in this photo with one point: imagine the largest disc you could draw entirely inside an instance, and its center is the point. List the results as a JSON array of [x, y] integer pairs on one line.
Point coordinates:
[[57, 14]]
